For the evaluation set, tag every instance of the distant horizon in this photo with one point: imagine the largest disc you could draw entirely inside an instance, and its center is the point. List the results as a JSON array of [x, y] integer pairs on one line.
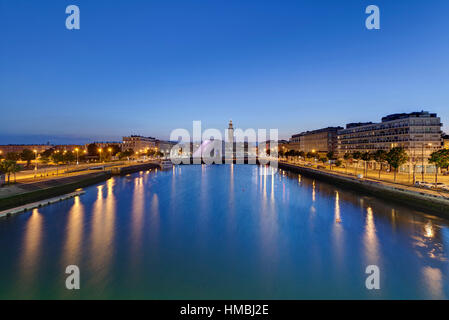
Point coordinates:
[[43, 139]]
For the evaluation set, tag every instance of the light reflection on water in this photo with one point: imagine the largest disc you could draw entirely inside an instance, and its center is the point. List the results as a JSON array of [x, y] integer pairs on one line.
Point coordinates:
[[230, 231]]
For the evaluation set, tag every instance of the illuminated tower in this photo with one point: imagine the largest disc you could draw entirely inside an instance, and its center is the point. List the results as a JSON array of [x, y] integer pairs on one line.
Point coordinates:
[[229, 145], [230, 133]]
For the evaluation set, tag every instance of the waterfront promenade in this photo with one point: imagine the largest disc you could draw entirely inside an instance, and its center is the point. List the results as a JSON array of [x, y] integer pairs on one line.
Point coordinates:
[[433, 200], [27, 189]]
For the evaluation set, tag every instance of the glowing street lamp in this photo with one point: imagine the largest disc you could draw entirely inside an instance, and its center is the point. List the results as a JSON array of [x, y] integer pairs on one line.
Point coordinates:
[[35, 160], [77, 158], [100, 150]]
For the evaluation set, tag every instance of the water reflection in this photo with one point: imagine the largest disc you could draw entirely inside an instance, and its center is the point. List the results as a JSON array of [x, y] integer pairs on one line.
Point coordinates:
[[338, 241], [240, 233], [103, 219], [137, 216], [433, 279], [74, 231], [370, 240], [31, 248]]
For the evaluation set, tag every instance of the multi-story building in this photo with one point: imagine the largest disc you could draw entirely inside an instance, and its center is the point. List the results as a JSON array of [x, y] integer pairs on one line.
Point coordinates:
[[320, 141], [165, 146], [69, 147], [295, 142], [419, 133], [138, 143], [106, 144], [18, 148], [446, 141]]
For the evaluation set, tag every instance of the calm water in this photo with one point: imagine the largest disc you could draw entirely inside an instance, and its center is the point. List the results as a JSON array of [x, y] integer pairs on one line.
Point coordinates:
[[223, 232]]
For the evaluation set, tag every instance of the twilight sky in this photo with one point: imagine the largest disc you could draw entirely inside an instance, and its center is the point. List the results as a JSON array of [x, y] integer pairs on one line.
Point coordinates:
[[147, 67]]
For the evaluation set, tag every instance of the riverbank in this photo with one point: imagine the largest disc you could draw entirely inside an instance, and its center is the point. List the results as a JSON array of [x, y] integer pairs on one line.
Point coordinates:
[[410, 196], [23, 194], [40, 204], [20, 194]]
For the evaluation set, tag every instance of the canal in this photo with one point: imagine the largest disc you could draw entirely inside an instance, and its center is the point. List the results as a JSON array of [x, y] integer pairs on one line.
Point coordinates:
[[223, 231]]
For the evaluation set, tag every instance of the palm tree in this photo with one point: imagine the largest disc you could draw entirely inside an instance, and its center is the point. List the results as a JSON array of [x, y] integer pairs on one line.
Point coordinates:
[[8, 167], [14, 168]]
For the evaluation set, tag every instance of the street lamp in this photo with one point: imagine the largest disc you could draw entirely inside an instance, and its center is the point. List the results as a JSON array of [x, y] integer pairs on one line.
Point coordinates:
[[100, 150], [422, 160], [110, 153], [35, 160], [77, 158]]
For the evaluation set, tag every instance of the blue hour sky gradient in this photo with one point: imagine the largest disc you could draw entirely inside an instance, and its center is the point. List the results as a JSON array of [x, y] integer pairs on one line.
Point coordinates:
[[148, 67]]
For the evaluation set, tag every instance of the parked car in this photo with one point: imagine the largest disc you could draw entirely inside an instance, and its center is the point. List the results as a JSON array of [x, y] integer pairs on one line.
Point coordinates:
[[440, 185], [423, 184]]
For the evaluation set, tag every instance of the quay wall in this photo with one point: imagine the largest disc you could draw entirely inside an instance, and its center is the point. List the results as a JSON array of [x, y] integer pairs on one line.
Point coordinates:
[[60, 187], [415, 199]]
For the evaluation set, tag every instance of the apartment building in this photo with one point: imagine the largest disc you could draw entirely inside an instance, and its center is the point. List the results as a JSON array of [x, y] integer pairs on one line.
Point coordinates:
[[320, 141], [419, 133], [138, 143]]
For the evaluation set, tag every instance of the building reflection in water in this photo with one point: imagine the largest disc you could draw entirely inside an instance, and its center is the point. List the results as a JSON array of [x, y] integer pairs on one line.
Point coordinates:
[[137, 214], [74, 232], [337, 232], [268, 221], [428, 230], [370, 240], [433, 279], [102, 236], [31, 248], [313, 191]]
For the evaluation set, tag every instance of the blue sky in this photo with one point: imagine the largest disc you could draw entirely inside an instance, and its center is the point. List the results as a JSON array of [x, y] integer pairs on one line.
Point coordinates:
[[147, 67]]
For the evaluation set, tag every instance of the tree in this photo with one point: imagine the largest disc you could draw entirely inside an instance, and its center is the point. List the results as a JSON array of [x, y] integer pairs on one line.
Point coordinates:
[[380, 156], [396, 157], [125, 154], [13, 156], [8, 167], [348, 157], [331, 156], [324, 159], [338, 163], [57, 157], [27, 155], [366, 156], [151, 153], [115, 148], [70, 157], [92, 149], [47, 153], [440, 159], [356, 156], [14, 168]]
